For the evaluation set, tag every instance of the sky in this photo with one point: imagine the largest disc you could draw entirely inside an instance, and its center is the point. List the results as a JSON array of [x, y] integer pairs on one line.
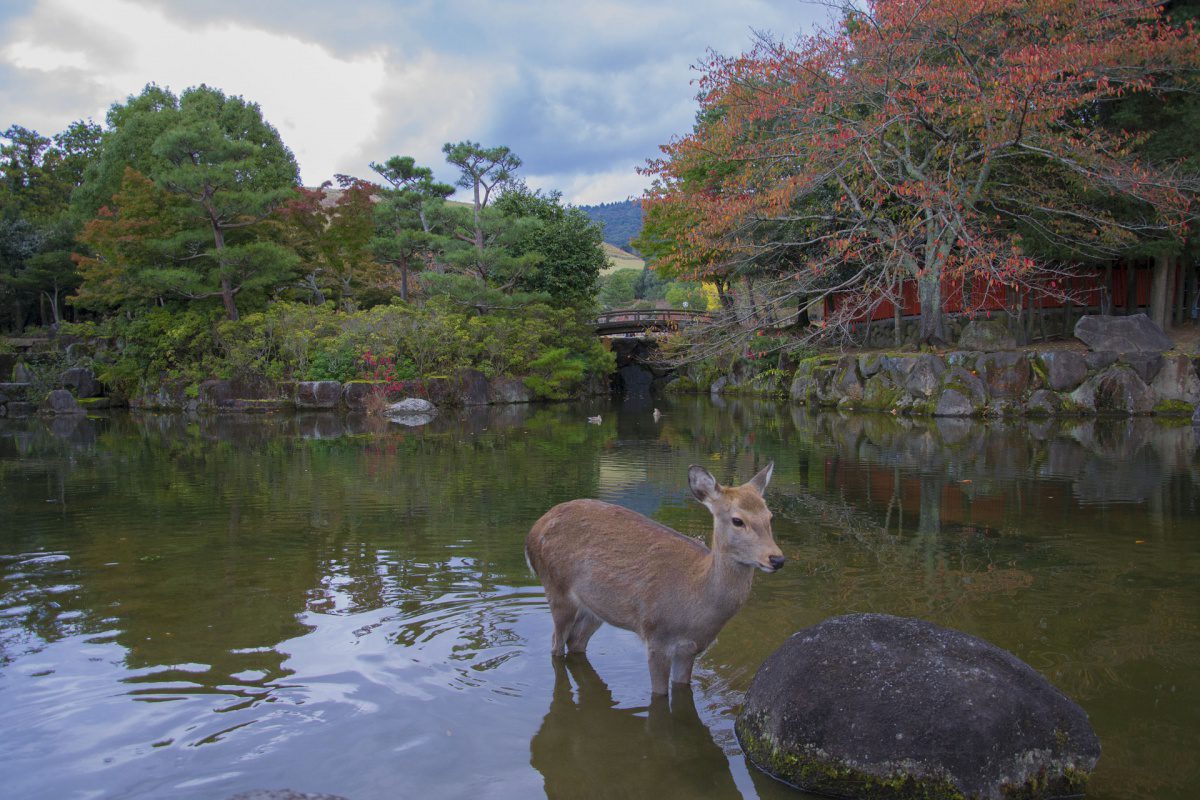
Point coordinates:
[[583, 91]]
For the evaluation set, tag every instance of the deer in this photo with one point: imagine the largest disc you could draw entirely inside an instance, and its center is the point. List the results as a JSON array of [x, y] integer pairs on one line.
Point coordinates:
[[601, 563]]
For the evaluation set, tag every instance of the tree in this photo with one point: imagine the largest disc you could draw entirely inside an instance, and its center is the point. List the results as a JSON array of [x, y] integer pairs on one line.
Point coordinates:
[[127, 245], [38, 176], [484, 170], [925, 140], [563, 246], [618, 289], [1163, 125], [229, 170], [332, 231], [405, 234]]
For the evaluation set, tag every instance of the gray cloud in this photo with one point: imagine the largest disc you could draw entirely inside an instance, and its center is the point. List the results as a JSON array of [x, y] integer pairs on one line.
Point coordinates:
[[576, 89]]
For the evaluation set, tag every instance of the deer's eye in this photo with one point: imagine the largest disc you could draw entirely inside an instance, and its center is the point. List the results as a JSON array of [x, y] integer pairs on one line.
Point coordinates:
[[737, 522]]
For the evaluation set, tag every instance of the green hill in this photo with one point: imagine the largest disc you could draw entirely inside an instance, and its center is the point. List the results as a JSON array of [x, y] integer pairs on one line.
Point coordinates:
[[620, 259], [622, 221]]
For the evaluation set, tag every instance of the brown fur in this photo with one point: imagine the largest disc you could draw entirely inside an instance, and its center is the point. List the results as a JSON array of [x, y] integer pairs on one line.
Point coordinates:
[[604, 563]]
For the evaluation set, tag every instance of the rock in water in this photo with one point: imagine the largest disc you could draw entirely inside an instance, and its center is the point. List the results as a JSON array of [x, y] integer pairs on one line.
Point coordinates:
[[873, 706], [1132, 334], [411, 405], [60, 401]]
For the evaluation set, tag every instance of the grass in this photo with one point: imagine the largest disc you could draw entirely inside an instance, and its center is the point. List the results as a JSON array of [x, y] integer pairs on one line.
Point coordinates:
[[620, 259]]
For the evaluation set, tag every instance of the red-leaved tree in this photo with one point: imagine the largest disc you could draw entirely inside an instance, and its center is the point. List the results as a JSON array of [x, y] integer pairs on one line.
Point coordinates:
[[954, 142]]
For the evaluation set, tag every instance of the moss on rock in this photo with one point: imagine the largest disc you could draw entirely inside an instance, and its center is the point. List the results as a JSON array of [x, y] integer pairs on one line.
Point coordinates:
[[1173, 408], [813, 773]]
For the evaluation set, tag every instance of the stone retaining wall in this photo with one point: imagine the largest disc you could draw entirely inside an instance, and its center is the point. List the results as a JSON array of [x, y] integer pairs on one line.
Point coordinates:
[[467, 388], [969, 383]]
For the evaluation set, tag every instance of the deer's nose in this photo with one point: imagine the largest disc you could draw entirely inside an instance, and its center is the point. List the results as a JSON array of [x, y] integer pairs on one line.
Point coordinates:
[[776, 562]]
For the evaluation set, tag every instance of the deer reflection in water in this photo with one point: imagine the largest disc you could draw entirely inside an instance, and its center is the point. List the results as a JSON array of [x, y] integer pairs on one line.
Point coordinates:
[[588, 747]]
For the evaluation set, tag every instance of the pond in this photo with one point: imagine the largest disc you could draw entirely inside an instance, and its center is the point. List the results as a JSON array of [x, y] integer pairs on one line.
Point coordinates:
[[192, 607]]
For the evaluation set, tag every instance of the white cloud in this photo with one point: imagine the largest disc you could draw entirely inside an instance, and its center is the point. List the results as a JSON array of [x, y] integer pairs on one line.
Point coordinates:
[[584, 92], [596, 187], [325, 107]]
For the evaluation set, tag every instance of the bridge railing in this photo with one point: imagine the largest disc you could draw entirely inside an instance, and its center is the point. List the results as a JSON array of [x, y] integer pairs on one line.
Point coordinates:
[[648, 318]]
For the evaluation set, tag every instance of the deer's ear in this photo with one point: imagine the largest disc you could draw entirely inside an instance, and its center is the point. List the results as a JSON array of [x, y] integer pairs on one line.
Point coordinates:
[[759, 482], [703, 485]]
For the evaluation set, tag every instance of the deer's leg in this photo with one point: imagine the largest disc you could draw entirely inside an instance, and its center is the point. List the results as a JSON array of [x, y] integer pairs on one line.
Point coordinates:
[[682, 661], [563, 611], [659, 657], [581, 631]]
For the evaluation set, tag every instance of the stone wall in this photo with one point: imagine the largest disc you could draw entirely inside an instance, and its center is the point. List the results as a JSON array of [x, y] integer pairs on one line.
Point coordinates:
[[467, 388], [968, 383], [80, 392]]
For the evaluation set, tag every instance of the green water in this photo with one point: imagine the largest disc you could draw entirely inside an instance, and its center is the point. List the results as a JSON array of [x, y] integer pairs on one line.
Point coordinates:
[[195, 607]]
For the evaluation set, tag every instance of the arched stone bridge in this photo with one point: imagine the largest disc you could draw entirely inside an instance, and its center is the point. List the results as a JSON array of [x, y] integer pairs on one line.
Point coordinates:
[[623, 323]]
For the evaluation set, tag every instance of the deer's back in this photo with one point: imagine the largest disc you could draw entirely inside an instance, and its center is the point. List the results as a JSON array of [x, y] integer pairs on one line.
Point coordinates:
[[621, 564]]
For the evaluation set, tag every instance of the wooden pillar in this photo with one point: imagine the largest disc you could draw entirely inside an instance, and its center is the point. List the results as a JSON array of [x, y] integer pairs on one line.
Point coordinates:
[[1131, 303], [1179, 316], [898, 317], [1160, 280]]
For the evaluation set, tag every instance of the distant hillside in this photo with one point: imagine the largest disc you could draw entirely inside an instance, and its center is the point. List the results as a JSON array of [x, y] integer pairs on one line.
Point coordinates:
[[622, 221], [620, 259]]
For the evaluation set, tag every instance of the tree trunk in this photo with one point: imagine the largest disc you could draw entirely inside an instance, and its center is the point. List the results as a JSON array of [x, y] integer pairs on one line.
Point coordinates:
[[227, 299], [404, 278], [1106, 297], [929, 290], [226, 287], [1160, 279], [723, 295], [753, 305], [54, 312]]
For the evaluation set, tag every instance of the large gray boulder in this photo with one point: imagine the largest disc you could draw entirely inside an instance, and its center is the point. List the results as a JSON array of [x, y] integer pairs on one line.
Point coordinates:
[[1146, 365], [411, 411], [964, 395], [1043, 403], [954, 403], [1136, 333], [1006, 374], [318, 394], [1121, 391], [873, 706], [1065, 369], [988, 335], [508, 390], [1177, 380], [924, 379], [60, 401], [472, 387], [1116, 390], [357, 394], [411, 405], [81, 381], [847, 383]]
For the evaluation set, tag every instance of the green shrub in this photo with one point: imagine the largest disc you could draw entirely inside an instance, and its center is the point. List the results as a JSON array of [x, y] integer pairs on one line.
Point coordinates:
[[288, 340]]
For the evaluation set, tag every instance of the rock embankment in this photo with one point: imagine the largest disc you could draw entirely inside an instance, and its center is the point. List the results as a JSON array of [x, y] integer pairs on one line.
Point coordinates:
[[970, 383], [467, 388]]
